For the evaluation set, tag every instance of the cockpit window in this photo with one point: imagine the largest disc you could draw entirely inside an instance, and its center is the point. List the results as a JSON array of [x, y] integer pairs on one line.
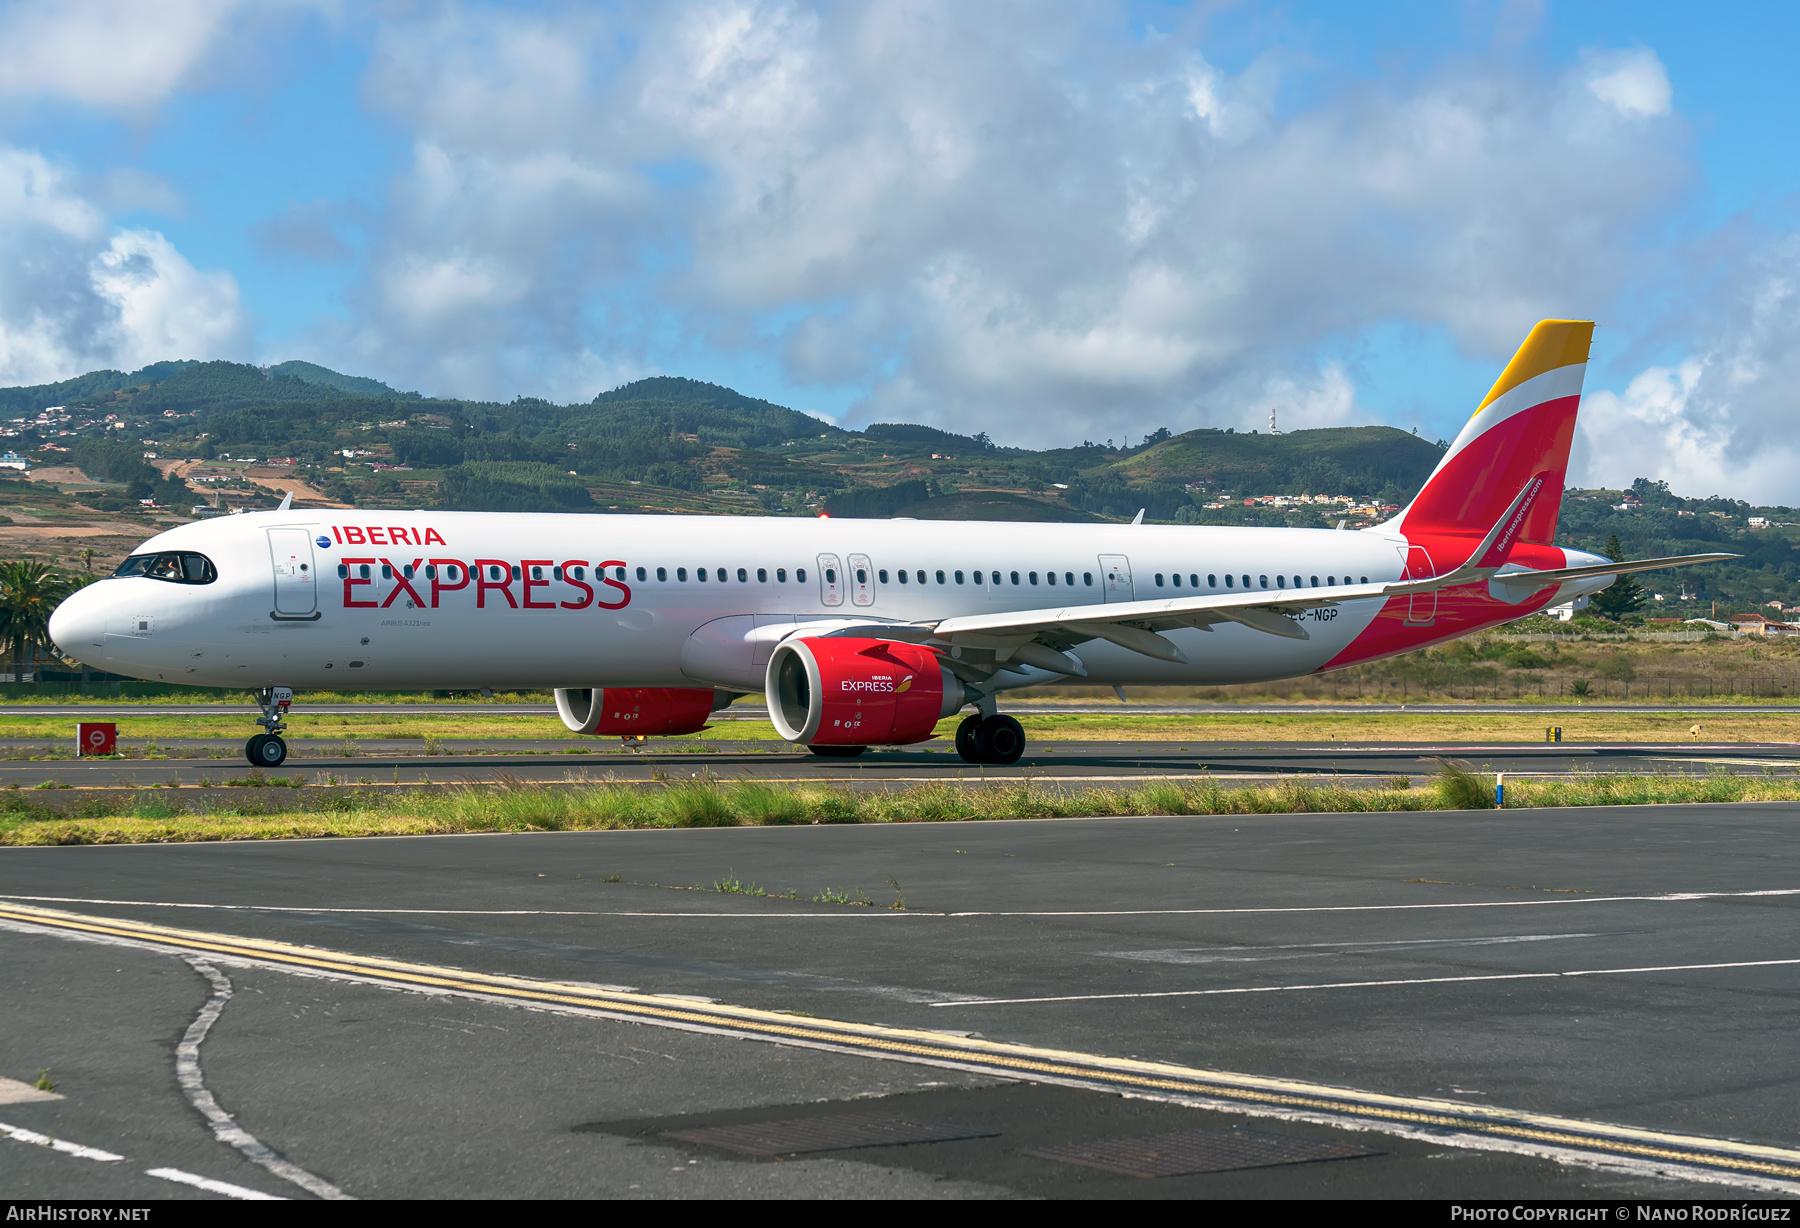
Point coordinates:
[[175, 566]]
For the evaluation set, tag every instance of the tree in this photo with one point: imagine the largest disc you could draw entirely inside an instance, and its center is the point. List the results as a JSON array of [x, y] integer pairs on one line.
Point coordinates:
[[29, 594], [1623, 595]]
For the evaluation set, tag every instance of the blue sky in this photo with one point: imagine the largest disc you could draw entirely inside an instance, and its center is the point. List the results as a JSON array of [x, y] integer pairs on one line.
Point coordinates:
[[1048, 223]]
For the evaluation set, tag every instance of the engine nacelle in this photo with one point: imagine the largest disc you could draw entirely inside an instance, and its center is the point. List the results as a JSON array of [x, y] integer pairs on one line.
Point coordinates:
[[650, 711], [854, 692]]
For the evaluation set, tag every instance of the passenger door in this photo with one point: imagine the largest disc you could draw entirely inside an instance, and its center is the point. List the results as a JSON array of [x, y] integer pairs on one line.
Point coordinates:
[[296, 578], [1115, 578], [831, 580], [862, 581]]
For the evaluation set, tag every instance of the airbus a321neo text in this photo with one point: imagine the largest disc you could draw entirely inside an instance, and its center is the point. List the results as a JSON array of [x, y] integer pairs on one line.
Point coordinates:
[[858, 632]]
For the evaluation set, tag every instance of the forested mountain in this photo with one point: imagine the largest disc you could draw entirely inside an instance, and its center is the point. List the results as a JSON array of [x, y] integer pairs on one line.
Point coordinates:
[[667, 444]]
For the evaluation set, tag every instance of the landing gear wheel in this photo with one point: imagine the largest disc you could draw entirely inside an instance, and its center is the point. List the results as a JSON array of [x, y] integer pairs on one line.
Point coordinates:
[[837, 752], [254, 745], [270, 751], [1001, 740], [967, 744]]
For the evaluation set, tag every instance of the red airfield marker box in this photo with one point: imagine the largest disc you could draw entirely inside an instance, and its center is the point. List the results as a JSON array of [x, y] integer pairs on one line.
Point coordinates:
[[96, 738]]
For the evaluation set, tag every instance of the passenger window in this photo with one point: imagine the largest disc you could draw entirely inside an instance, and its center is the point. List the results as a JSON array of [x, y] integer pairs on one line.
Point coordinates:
[[515, 571], [1265, 581], [1087, 578], [556, 573], [365, 571], [343, 571], [431, 571], [1193, 581], [387, 571], [921, 576], [1032, 576], [1228, 581], [781, 575], [1069, 578], [996, 577], [940, 577], [1015, 577], [722, 575], [762, 575], [902, 574], [862, 577], [1280, 582], [882, 575], [662, 573], [1297, 583], [1247, 582], [959, 577], [1051, 576], [1212, 580], [406, 571], [537, 573], [800, 575], [1365, 579], [743, 576], [619, 573], [831, 575], [1177, 579], [641, 574], [1315, 582], [1159, 582], [681, 574]]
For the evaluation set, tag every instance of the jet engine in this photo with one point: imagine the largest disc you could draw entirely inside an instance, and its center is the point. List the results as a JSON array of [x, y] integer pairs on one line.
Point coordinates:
[[649, 711], [827, 691]]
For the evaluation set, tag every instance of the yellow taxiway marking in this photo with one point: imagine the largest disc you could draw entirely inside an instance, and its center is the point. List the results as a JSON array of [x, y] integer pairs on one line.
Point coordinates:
[[1444, 1118]]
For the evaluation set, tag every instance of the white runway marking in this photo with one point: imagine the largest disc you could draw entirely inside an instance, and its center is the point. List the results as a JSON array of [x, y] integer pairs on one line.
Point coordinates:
[[21, 1135], [1311, 950], [1676, 897], [213, 1187], [1421, 980], [224, 1126]]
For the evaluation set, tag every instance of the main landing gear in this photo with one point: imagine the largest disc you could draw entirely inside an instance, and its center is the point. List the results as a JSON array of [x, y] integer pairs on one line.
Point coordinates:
[[267, 750], [993, 739]]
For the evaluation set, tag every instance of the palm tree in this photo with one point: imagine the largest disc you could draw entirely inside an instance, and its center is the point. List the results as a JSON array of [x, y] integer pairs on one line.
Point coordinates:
[[87, 557], [29, 593]]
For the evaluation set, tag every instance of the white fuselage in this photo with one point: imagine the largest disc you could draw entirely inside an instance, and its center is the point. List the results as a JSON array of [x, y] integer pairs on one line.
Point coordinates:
[[283, 611]]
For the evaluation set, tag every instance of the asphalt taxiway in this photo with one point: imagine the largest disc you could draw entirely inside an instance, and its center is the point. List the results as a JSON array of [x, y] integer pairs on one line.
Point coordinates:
[[1583, 1003], [404, 762]]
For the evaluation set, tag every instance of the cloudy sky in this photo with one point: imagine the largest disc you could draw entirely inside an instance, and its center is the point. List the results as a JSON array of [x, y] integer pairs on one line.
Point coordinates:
[[1052, 222]]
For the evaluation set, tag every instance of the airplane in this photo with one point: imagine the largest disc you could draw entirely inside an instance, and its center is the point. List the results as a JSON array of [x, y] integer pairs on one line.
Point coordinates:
[[858, 633]]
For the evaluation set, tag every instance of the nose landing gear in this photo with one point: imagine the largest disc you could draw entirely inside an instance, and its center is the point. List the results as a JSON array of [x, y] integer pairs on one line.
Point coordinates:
[[267, 749], [993, 739]]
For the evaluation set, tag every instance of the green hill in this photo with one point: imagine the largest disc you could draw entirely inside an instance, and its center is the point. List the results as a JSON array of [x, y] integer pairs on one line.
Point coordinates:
[[355, 385]]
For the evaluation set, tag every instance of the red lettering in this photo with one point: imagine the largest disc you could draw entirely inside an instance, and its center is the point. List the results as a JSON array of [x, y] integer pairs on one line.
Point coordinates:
[[375, 537], [437, 578], [432, 538], [525, 566], [400, 537], [354, 536], [336, 535], [403, 585], [624, 593], [483, 569], [569, 578], [351, 579]]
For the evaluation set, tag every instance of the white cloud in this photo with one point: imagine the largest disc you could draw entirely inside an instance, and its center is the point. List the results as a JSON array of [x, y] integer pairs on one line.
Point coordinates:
[[76, 294], [1634, 83], [1022, 216], [104, 53], [1722, 420]]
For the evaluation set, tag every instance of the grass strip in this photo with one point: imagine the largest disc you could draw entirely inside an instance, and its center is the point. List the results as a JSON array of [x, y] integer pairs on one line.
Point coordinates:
[[156, 816]]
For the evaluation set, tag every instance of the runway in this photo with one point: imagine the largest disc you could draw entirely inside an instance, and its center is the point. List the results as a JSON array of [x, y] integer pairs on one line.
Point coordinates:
[[1587, 1003], [403, 761]]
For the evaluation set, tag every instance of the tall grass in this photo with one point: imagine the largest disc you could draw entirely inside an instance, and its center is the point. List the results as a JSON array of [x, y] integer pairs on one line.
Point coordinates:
[[513, 805]]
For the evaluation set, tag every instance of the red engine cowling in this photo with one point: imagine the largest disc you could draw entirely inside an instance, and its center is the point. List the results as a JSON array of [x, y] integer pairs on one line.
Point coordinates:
[[855, 692], [650, 711]]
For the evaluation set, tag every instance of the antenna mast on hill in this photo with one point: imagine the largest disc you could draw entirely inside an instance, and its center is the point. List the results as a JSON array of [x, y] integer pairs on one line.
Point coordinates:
[[1272, 429]]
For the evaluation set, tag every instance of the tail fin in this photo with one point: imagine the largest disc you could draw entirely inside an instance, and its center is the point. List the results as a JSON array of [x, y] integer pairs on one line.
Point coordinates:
[[1521, 431]]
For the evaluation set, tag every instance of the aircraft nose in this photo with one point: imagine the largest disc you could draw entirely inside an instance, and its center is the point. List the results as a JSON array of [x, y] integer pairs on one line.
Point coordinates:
[[78, 625]]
